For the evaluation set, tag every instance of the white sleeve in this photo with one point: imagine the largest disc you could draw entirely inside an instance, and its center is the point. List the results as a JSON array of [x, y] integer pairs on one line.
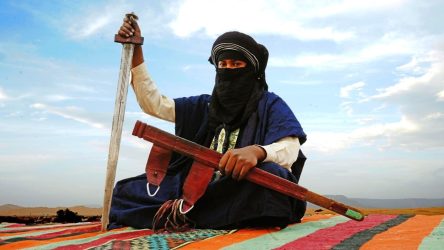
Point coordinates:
[[283, 152], [149, 97]]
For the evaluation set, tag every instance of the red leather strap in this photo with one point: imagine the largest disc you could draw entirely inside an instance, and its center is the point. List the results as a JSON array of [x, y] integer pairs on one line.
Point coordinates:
[[157, 164], [195, 184]]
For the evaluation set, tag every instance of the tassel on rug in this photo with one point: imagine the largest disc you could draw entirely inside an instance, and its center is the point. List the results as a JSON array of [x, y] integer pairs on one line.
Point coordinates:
[[172, 219]]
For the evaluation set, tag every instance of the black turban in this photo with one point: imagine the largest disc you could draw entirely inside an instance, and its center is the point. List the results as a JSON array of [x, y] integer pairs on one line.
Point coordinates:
[[255, 53]]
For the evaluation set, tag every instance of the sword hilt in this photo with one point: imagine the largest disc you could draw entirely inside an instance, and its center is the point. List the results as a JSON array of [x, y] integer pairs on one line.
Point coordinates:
[[138, 40]]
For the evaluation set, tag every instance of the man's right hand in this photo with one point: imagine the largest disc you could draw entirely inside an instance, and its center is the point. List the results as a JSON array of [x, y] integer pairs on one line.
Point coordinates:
[[131, 28]]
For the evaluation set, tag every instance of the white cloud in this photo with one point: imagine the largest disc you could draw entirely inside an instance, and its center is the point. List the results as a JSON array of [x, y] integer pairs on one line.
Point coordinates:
[[387, 46], [390, 44], [432, 77], [15, 114], [417, 65], [3, 95], [405, 125], [347, 107], [6, 97], [78, 87], [365, 120], [435, 115], [58, 98], [88, 27], [326, 142], [14, 160], [345, 91], [79, 21], [334, 8], [250, 16], [376, 135], [417, 100], [440, 95], [104, 19], [71, 113]]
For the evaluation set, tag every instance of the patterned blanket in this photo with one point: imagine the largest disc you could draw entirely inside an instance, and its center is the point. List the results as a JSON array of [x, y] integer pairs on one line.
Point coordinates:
[[377, 231]]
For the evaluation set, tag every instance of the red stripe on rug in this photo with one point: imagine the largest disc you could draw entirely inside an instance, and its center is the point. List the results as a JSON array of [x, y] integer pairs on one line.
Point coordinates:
[[67, 232], [106, 239], [328, 237]]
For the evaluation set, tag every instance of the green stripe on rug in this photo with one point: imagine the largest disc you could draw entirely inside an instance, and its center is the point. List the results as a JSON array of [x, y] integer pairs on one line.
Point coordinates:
[[435, 240], [6, 224], [291, 233], [358, 239]]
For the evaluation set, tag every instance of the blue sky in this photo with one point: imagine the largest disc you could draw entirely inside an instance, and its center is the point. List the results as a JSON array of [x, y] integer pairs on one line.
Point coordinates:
[[364, 78]]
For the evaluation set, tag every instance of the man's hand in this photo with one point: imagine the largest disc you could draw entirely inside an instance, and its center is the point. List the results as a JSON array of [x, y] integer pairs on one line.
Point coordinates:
[[238, 162], [131, 28]]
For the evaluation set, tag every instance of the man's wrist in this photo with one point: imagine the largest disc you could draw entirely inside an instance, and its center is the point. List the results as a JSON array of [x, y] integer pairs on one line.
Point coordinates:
[[137, 56], [262, 153]]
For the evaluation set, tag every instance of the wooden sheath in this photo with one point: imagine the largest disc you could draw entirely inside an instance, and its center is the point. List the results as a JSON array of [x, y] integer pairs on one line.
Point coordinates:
[[211, 158]]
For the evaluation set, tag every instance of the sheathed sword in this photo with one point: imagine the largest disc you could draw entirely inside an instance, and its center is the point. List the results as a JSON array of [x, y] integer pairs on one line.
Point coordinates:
[[211, 158]]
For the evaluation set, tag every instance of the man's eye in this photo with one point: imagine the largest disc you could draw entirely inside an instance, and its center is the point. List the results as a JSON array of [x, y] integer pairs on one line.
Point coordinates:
[[239, 63]]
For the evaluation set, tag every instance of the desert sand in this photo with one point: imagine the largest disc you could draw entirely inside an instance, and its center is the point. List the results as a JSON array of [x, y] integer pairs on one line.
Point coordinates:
[[87, 211]]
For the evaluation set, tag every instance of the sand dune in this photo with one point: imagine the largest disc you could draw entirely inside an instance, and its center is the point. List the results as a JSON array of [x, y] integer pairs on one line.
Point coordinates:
[[12, 210]]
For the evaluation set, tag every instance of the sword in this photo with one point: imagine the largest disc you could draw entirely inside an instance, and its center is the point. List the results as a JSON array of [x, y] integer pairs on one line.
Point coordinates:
[[119, 114]]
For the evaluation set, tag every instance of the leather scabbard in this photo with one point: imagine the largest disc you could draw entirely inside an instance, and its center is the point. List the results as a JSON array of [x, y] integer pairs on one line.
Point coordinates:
[[157, 164], [196, 184]]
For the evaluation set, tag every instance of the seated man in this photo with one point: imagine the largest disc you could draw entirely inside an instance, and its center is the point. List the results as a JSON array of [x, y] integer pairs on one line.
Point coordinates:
[[250, 126]]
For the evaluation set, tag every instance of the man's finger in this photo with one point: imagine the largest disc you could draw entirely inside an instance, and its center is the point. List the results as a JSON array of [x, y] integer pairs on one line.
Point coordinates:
[[122, 33], [230, 165], [126, 31], [244, 172], [223, 162], [236, 170], [128, 26]]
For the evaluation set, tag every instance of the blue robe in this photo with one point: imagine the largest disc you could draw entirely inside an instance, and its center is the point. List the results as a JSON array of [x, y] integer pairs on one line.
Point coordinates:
[[226, 203]]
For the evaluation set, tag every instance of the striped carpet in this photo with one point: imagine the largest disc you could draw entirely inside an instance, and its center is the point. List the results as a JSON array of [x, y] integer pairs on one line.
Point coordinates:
[[377, 231]]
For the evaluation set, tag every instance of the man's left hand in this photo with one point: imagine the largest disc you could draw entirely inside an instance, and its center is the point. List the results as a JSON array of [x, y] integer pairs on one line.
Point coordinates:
[[238, 162]]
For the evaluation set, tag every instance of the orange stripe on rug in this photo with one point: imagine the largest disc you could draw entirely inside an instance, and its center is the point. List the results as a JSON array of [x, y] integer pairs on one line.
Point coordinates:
[[242, 235], [36, 243], [407, 235], [43, 230]]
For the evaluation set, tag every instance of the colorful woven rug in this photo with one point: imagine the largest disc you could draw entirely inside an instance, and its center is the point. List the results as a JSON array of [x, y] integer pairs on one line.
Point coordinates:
[[315, 232]]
